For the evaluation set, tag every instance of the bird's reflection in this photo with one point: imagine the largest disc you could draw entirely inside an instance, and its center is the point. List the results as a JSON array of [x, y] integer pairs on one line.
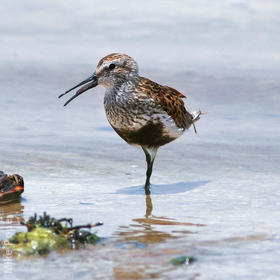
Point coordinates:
[[149, 206], [148, 232], [145, 230]]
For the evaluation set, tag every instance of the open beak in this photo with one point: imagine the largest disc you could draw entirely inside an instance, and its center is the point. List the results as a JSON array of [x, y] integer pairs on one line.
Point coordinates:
[[90, 82]]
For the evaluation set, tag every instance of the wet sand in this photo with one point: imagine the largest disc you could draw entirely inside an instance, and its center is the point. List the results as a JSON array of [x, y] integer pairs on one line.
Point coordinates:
[[214, 195]]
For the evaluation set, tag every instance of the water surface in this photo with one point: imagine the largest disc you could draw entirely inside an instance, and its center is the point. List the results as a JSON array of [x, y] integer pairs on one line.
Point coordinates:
[[215, 195]]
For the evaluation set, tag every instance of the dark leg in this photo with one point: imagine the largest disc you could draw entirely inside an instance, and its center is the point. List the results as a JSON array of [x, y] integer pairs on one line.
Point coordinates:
[[150, 157]]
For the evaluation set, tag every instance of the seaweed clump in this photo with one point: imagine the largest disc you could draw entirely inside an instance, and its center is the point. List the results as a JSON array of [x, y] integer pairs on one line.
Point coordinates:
[[46, 234]]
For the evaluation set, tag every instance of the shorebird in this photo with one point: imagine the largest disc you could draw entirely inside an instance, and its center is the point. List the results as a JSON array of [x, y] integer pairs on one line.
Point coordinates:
[[142, 112]]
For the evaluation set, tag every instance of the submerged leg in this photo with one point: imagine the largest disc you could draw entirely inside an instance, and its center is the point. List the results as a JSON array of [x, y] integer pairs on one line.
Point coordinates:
[[150, 153]]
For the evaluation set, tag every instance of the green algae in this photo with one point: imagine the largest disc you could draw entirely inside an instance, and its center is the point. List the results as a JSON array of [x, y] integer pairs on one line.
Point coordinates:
[[46, 234], [186, 260]]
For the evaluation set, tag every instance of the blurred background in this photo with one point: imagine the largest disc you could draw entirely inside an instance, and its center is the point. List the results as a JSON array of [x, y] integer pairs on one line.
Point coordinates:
[[215, 195], [224, 34]]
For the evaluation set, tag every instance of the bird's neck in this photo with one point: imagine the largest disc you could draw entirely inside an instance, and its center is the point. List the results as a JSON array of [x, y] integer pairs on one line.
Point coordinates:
[[123, 83]]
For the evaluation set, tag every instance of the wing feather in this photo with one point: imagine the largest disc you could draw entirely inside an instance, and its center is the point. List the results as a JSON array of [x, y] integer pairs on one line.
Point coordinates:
[[170, 101]]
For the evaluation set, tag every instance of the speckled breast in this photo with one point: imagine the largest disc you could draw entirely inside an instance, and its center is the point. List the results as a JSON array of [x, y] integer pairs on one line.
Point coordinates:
[[140, 121]]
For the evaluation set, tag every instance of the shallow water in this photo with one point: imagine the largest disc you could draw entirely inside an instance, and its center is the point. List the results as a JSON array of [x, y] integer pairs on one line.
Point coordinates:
[[215, 195]]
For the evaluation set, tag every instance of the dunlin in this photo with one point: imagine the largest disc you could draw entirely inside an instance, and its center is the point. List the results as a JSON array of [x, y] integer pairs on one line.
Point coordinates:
[[142, 112]]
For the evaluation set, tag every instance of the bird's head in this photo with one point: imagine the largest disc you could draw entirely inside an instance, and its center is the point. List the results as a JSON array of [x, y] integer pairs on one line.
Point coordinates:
[[111, 70]]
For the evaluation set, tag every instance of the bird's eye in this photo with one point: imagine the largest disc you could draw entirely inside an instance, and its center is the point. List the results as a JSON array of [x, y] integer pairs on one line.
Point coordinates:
[[112, 66]]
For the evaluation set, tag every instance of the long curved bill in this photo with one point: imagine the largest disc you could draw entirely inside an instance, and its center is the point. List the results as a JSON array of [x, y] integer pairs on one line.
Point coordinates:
[[90, 82]]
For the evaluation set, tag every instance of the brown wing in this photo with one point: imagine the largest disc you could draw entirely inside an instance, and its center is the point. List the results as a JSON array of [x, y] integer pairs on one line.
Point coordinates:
[[175, 91], [170, 101]]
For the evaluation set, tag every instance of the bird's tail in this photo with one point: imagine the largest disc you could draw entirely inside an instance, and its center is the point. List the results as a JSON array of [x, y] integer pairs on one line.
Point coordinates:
[[196, 116]]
